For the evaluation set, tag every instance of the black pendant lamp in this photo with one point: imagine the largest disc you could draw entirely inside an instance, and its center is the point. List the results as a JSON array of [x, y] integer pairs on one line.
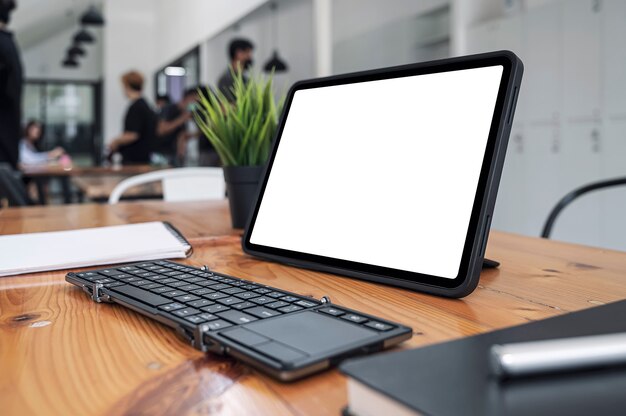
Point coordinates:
[[275, 63], [70, 62], [82, 36], [92, 17], [76, 50]]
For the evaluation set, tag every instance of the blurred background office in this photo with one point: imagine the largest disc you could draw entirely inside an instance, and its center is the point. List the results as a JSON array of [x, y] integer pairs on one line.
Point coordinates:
[[570, 125]]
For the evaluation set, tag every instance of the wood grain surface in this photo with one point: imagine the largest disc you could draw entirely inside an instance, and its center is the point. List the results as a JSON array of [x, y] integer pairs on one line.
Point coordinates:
[[100, 187], [62, 354]]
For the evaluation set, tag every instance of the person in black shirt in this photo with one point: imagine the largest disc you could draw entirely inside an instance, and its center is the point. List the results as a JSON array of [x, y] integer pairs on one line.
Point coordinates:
[[138, 138], [172, 127], [240, 54], [11, 80]]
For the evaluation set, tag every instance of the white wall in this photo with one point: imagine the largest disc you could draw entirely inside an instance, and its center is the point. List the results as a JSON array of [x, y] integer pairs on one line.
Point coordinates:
[[43, 60], [184, 24], [129, 43], [295, 43]]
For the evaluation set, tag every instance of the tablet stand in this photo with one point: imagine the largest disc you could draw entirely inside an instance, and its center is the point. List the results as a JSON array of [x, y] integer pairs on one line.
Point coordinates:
[[490, 264]]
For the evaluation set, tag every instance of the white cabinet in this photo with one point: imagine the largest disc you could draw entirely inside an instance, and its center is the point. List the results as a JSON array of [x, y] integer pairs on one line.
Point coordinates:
[[614, 59], [581, 58], [613, 212], [511, 204], [581, 164], [542, 187]]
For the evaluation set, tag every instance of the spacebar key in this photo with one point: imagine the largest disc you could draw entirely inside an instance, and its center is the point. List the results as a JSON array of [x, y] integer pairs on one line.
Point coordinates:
[[141, 295]]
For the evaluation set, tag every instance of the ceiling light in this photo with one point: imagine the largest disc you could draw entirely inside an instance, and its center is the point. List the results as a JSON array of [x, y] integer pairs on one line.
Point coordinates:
[[275, 63], [175, 71], [82, 36], [92, 17], [76, 50], [70, 62]]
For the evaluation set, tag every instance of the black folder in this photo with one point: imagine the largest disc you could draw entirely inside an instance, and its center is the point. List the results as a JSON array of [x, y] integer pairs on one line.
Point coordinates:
[[453, 378]]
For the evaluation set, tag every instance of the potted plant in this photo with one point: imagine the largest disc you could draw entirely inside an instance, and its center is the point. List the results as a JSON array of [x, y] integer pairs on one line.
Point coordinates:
[[241, 133]]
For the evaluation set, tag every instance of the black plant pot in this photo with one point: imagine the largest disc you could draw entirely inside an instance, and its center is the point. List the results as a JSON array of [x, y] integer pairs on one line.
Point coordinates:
[[242, 183]]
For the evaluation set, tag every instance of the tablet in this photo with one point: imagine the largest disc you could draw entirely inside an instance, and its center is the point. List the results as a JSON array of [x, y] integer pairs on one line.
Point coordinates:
[[390, 175]]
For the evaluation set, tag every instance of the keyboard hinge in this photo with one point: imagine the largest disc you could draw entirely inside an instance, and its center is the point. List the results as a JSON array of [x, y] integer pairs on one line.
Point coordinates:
[[197, 338], [95, 292]]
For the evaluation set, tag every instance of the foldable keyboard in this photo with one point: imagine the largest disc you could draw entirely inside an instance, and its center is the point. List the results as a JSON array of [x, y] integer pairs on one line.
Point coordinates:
[[283, 334]]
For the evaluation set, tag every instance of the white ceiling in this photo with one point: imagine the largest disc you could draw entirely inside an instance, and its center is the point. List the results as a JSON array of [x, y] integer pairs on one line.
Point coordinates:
[[36, 20]]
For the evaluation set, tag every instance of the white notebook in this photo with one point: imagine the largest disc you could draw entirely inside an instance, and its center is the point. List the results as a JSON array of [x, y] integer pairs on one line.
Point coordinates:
[[36, 252]]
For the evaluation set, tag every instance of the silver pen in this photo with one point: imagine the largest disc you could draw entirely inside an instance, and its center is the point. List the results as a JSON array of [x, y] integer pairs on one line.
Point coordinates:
[[557, 355]]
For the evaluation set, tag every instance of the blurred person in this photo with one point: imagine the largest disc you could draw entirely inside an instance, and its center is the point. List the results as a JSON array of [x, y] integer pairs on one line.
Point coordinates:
[[207, 156], [172, 129], [29, 153], [11, 80], [240, 53], [162, 101], [139, 128]]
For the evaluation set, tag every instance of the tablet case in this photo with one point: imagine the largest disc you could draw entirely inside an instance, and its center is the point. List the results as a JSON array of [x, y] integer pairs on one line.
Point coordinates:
[[454, 378], [455, 287]]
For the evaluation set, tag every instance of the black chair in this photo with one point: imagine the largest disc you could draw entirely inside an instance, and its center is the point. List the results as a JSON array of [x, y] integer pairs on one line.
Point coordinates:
[[576, 193], [12, 188]]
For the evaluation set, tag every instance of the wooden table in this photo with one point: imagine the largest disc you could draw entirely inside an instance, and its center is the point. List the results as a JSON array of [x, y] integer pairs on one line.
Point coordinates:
[[99, 188], [60, 353], [64, 173]]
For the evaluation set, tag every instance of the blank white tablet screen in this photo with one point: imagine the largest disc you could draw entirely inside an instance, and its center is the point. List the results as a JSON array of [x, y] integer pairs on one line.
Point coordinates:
[[381, 172]]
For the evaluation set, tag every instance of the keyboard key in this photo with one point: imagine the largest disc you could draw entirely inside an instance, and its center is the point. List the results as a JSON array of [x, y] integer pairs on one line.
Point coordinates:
[[144, 275], [195, 319], [174, 293], [332, 311], [262, 291], [229, 301], [167, 281], [215, 325], [276, 294], [289, 298], [114, 284], [178, 283], [152, 286], [105, 280], [186, 312], [140, 295], [110, 272], [171, 307], [306, 303], [233, 290], [215, 308], [379, 326], [130, 279], [161, 289], [191, 278], [261, 300], [207, 316], [141, 282], [261, 312], [243, 305], [215, 296], [189, 287], [354, 318], [219, 286], [127, 268], [250, 286], [186, 298], [236, 317], [247, 295], [290, 308], [202, 292], [200, 303], [276, 305]]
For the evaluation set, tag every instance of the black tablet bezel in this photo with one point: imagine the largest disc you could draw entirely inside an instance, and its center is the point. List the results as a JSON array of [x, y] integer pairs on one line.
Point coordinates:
[[473, 251]]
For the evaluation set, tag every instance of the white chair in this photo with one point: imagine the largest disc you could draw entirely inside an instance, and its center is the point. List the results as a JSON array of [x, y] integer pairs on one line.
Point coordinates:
[[181, 184]]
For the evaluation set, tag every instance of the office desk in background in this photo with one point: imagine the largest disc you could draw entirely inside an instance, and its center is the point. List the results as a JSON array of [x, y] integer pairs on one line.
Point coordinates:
[[61, 353], [88, 173], [99, 188]]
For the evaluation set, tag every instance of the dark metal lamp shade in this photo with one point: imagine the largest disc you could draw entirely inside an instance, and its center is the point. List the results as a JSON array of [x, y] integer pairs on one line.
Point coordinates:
[[70, 62], [76, 50], [275, 64], [92, 17], [82, 36]]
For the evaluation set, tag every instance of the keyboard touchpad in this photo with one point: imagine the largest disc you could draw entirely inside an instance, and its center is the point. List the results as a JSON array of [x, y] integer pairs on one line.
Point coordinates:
[[310, 332]]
